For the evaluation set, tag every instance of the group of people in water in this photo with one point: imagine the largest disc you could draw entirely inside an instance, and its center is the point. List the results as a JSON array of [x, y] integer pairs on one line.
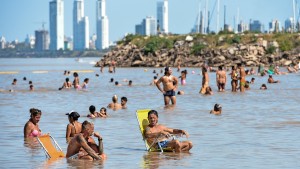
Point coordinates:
[[80, 136]]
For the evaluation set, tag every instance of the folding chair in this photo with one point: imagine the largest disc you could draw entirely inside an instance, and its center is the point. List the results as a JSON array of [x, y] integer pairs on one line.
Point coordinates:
[[142, 117], [50, 146]]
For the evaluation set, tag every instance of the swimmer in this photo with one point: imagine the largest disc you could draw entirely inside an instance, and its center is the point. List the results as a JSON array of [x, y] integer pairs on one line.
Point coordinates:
[[183, 77], [76, 80], [130, 83], [31, 128], [111, 80], [67, 84], [154, 81], [24, 78], [103, 112], [221, 79], [124, 102], [117, 83], [31, 88], [217, 110], [180, 92], [74, 127], [271, 80], [263, 87], [85, 83], [205, 80], [252, 80], [14, 82], [114, 105], [93, 113]]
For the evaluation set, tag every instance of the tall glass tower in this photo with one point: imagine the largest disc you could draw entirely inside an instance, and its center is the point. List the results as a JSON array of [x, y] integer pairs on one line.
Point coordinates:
[[102, 41], [56, 24], [80, 27], [162, 17]]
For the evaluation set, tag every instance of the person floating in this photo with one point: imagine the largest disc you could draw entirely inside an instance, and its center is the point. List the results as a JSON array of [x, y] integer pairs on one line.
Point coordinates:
[[159, 134]]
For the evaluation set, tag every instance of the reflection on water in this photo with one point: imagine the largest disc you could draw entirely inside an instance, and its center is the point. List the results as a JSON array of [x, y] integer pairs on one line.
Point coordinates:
[[257, 129]]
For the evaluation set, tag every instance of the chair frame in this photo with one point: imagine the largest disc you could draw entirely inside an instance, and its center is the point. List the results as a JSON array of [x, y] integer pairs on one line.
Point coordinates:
[[45, 149]]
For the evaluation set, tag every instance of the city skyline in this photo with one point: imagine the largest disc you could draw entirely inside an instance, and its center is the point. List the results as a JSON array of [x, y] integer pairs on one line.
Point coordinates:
[[125, 14]]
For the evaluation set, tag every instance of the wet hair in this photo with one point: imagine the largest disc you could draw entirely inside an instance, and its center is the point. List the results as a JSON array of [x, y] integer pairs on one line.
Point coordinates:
[[86, 79], [115, 98], [204, 69], [217, 107], [124, 98], [15, 80], [24, 78], [116, 82], [111, 79], [167, 69], [92, 108], [252, 78], [153, 112], [103, 109], [220, 68], [30, 82], [86, 124], [239, 64], [75, 74], [31, 86], [34, 112], [67, 79], [130, 81], [155, 77]]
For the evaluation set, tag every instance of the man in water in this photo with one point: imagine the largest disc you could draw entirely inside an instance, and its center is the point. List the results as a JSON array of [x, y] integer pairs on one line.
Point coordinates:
[[217, 110], [271, 80], [84, 141], [205, 80], [159, 134], [114, 105], [124, 102], [221, 79], [170, 84], [242, 77]]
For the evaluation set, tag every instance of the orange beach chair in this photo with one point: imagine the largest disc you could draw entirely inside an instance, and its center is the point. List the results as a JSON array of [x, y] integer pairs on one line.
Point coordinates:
[[50, 146]]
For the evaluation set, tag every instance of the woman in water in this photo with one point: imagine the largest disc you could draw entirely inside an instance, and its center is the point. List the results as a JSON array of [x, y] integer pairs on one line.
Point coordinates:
[[183, 77], [31, 128], [74, 127]]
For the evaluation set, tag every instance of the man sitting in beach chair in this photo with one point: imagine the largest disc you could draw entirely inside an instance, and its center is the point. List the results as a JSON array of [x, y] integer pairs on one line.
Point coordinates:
[[50, 146], [158, 136]]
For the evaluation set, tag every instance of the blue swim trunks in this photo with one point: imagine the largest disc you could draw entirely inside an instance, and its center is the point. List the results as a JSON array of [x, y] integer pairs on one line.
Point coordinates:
[[170, 93], [163, 144]]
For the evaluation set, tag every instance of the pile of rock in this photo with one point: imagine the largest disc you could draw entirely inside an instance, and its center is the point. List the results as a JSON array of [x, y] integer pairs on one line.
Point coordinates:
[[248, 54]]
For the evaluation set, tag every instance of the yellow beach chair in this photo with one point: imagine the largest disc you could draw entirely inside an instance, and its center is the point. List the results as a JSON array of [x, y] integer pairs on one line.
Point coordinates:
[[142, 117], [50, 146]]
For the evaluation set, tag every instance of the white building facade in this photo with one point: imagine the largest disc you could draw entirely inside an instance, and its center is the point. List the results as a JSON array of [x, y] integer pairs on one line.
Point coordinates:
[[80, 26], [102, 27], [56, 24], [163, 17]]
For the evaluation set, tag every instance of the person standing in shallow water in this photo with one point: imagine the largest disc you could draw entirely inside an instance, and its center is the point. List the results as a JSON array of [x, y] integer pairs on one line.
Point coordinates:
[[74, 127], [234, 79], [31, 128], [242, 77], [221, 79], [205, 80], [170, 84]]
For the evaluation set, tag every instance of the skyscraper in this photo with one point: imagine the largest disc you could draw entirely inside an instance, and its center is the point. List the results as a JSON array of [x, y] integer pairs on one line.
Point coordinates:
[[162, 16], [80, 26], [56, 24], [147, 27], [102, 41], [41, 40]]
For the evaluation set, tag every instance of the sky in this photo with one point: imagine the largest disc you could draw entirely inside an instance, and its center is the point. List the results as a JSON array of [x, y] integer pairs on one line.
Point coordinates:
[[19, 18]]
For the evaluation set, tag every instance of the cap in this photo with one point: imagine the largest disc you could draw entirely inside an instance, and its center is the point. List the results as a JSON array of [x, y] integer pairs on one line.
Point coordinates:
[[73, 114]]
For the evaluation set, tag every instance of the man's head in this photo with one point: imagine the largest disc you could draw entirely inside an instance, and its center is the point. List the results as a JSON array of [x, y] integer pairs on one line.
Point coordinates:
[[168, 70], [88, 128], [92, 108], [123, 101], [152, 117], [217, 107], [239, 65], [115, 98]]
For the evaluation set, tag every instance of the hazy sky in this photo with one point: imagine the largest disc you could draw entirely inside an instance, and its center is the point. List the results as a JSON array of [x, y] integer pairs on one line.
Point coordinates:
[[21, 17]]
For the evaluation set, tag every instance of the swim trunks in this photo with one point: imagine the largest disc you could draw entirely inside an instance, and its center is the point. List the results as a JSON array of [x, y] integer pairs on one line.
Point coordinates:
[[170, 93], [163, 144]]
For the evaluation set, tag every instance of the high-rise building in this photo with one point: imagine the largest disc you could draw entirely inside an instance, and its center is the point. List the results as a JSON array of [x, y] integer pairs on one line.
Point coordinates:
[[147, 27], [2, 42], [274, 26], [80, 26], [289, 24], [242, 27], [41, 40], [256, 26], [56, 24], [162, 17], [102, 41]]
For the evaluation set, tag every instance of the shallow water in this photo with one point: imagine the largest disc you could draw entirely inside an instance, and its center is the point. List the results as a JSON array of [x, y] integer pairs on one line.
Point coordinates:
[[257, 129]]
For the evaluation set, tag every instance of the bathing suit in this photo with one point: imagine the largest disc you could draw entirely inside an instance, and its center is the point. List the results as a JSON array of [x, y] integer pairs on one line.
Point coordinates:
[[183, 82], [34, 133], [170, 93], [242, 82], [222, 85], [163, 144]]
